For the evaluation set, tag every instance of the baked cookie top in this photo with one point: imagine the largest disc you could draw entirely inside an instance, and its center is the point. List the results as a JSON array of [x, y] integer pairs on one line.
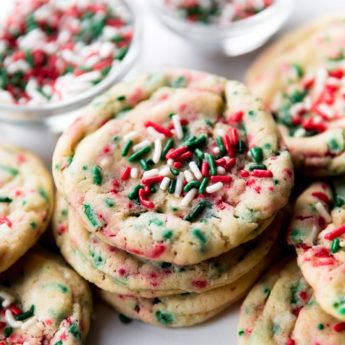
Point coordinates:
[[43, 301], [317, 231], [301, 78], [26, 201], [280, 309], [140, 276], [193, 169]]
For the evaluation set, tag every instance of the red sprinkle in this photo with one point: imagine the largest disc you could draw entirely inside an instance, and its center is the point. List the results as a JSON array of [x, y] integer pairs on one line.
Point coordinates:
[[339, 327], [221, 178], [177, 165], [230, 150], [237, 117], [221, 162], [290, 342], [244, 173], [126, 173], [158, 250], [200, 284], [233, 136], [176, 153], [159, 128], [337, 73], [230, 163], [321, 196], [205, 170], [2, 325], [152, 179], [5, 220], [262, 173], [335, 233], [142, 198], [15, 310], [185, 156]]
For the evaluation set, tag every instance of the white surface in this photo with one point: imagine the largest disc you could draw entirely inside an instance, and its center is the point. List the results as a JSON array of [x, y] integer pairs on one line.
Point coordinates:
[[162, 48]]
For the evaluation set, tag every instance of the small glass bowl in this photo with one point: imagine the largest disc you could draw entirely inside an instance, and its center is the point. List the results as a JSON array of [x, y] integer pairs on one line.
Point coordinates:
[[55, 117], [237, 38]]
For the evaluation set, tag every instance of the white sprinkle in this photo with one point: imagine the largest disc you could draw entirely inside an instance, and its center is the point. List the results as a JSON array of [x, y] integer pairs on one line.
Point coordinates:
[[177, 125], [28, 323], [107, 49], [165, 171], [214, 187], [326, 110], [179, 184], [165, 183], [216, 150], [170, 162], [134, 173], [221, 171], [151, 173], [142, 144], [323, 212], [11, 320], [7, 299], [195, 170], [157, 151], [131, 136], [188, 175], [90, 76], [296, 109], [300, 132], [189, 197], [6, 97], [154, 133]]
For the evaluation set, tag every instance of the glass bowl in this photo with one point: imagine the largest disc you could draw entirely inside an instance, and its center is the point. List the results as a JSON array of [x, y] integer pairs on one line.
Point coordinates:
[[236, 38], [58, 115]]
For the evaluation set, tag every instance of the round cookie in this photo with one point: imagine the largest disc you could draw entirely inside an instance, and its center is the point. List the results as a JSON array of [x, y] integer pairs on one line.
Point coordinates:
[[194, 169], [186, 309], [129, 271], [281, 310], [43, 301], [301, 78], [317, 231], [26, 202]]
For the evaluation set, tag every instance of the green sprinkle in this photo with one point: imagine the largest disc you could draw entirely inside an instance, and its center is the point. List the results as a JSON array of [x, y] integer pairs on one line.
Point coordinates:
[[164, 318], [339, 202], [12, 171], [212, 164], [156, 221], [26, 314], [196, 211], [124, 319], [297, 96], [172, 186], [121, 98], [90, 215], [97, 177], [320, 326], [190, 185], [203, 185], [298, 70], [200, 155], [241, 146], [179, 82], [167, 234], [139, 154], [175, 172], [126, 148], [74, 330], [33, 225], [122, 53], [194, 142], [251, 112], [109, 202], [200, 236], [257, 167], [8, 331], [257, 154], [241, 332], [29, 58], [5, 199], [221, 145], [43, 194], [335, 245], [143, 164], [169, 145], [59, 343], [134, 193]]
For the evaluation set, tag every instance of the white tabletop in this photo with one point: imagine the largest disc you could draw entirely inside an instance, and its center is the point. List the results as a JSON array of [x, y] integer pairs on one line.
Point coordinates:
[[161, 49]]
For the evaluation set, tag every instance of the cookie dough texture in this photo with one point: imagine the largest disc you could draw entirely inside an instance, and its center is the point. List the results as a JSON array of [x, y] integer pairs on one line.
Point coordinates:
[[88, 165], [281, 309], [26, 202], [317, 231], [126, 273], [59, 299], [300, 78]]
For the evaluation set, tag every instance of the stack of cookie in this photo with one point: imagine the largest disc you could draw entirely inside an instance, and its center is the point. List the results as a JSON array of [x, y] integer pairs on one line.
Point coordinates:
[[41, 299], [306, 304], [170, 191]]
